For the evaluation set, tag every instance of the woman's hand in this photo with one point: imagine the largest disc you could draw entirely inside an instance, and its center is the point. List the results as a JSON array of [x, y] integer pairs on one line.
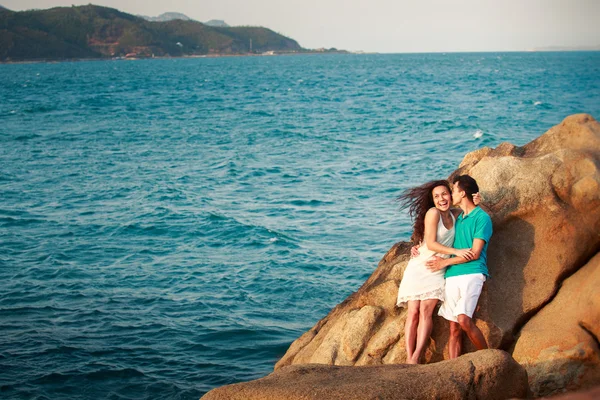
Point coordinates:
[[414, 251], [465, 253], [477, 198]]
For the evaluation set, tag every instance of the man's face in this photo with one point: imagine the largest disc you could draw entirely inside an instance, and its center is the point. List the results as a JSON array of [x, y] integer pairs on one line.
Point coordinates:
[[457, 194]]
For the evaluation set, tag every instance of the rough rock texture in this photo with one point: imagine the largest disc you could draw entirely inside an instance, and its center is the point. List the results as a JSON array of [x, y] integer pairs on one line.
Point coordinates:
[[592, 394], [574, 315], [489, 374], [544, 199]]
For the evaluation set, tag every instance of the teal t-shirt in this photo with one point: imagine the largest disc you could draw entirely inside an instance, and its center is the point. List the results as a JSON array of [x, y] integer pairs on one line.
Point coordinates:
[[476, 225]]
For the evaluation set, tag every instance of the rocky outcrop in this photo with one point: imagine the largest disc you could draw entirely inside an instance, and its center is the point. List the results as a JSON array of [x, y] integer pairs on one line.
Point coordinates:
[[489, 374], [573, 361], [544, 199], [545, 202], [541, 305]]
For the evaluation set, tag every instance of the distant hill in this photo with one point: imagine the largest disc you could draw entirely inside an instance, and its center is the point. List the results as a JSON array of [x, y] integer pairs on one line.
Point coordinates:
[[168, 16], [217, 22], [100, 32]]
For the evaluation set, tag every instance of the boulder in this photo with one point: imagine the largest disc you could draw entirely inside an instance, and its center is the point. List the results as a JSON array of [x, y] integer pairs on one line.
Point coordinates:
[[544, 199], [488, 374], [559, 346]]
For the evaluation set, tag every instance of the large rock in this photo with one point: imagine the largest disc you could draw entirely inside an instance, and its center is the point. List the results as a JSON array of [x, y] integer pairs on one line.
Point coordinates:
[[572, 361], [489, 374], [544, 199]]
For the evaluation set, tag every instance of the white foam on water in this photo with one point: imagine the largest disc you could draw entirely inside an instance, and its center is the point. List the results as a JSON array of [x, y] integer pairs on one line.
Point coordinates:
[[273, 240], [537, 103], [478, 133]]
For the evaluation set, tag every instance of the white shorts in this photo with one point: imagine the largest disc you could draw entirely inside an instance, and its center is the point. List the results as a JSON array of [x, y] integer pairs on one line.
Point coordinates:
[[461, 296]]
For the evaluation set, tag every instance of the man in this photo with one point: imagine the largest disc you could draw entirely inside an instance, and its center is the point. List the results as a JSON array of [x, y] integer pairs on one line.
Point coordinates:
[[464, 278]]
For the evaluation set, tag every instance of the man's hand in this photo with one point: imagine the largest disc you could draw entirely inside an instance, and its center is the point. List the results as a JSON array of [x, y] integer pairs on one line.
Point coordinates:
[[414, 251], [435, 263]]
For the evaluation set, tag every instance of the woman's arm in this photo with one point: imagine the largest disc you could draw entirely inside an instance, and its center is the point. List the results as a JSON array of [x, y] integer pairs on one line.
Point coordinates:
[[432, 218], [436, 263]]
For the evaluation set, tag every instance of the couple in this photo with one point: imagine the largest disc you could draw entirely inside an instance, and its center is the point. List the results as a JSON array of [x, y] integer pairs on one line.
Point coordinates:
[[443, 232]]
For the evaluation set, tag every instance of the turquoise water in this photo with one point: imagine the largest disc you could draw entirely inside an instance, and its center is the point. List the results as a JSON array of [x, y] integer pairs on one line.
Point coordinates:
[[169, 226]]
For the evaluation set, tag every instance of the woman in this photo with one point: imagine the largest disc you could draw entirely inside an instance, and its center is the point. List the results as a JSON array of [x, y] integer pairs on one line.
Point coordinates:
[[420, 289]]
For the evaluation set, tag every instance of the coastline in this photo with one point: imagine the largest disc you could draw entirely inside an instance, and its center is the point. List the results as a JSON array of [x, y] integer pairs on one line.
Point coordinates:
[[219, 55], [223, 55]]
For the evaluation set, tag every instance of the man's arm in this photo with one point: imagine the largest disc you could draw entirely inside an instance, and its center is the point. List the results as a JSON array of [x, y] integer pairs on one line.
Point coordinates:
[[437, 263]]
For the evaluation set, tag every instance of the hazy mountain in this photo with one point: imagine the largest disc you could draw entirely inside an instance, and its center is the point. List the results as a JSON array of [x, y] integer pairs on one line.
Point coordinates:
[[168, 16], [217, 22], [100, 32]]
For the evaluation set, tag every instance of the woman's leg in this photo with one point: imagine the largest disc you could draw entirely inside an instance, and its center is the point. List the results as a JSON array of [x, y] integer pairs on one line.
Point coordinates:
[[425, 327], [410, 329]]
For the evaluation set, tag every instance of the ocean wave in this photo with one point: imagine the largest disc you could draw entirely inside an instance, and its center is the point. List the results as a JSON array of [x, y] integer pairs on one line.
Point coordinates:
[[39, 109], [24, 138], [32, 310], [260, 113], [310, 203], [100, 375]]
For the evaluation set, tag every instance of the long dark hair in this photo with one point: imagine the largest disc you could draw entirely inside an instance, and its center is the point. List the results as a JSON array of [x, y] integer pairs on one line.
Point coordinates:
[[419, 200]]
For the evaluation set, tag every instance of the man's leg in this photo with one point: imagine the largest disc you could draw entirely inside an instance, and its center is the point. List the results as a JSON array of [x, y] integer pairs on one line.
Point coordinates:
[[472, 331], [455, 340]]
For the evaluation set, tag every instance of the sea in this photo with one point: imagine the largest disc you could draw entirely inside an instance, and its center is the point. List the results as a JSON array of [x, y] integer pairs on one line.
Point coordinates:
[[168, 226]]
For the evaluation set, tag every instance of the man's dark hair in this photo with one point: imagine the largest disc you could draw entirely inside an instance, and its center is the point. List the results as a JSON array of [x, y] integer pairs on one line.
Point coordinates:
[[468, 184]]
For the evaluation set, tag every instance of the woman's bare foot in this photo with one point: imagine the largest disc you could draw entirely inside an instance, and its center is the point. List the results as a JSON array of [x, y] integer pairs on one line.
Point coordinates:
[[412, 360]]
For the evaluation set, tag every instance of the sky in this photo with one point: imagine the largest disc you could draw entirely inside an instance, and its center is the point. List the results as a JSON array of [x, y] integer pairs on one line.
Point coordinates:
[[389, 26]]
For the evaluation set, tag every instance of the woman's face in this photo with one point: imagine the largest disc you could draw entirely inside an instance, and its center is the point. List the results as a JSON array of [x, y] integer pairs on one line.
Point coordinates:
[[441, 198]]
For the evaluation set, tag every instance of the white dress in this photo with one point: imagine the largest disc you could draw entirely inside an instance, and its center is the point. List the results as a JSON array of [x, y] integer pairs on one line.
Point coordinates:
[[418, 283]]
